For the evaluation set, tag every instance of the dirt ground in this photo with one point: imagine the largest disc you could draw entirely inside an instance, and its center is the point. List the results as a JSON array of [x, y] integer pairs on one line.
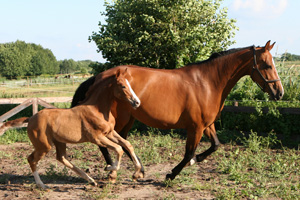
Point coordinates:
[[17, 182]]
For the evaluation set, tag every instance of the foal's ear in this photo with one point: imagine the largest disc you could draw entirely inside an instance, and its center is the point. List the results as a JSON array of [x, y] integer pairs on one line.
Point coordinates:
[[268, 46], [118, 73]]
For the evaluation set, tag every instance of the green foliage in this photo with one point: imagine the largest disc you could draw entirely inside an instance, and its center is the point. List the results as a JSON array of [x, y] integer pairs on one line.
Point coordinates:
[[163, 34], [20, 58], [14, 135], [99, 67], [256, 172], [67, 66], [286, 125]]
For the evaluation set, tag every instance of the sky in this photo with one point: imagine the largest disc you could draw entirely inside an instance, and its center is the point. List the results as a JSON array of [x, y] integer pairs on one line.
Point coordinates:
[[65, 25]]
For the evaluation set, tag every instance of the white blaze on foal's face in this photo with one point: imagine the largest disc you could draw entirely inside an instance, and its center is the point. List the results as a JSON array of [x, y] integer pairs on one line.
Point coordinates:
[[135, 98]]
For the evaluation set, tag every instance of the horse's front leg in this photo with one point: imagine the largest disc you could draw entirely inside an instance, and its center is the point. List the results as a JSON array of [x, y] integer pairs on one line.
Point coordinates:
[[210, 132], [193, 139]]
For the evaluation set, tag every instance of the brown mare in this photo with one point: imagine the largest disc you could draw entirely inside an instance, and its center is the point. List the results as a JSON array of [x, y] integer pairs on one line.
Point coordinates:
[[92, 121], [191, 97]]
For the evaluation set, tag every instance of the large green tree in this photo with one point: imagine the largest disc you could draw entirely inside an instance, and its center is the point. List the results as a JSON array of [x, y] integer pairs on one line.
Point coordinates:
[[20, 58], [163, 33], [68, 66]]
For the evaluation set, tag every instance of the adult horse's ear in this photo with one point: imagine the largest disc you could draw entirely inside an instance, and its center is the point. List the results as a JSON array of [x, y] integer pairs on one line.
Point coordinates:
[[268, 46]]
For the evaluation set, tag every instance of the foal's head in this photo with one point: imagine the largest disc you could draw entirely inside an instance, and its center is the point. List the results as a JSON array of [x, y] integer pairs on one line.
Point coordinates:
[[123, 90], [264, 72]]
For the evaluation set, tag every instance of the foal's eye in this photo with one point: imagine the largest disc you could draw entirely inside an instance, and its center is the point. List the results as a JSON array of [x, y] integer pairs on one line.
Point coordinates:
[[123, 86]]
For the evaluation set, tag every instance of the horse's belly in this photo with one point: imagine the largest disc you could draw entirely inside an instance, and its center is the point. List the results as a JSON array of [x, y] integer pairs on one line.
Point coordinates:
[[159, 118]]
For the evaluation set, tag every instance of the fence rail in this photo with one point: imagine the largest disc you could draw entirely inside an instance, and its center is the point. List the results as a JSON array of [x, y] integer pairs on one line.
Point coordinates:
[[24, 103]]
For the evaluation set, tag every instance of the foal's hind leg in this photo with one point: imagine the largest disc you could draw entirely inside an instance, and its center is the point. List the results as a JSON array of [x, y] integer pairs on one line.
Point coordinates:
[[33, 160], [115, 137], [210, 132], [61, 157]]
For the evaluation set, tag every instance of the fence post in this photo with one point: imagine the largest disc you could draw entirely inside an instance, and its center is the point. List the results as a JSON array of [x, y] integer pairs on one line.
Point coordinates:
[[34, 106]]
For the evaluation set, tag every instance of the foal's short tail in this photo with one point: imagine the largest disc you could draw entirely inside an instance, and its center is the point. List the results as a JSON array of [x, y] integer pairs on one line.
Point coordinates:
[[17, 123]]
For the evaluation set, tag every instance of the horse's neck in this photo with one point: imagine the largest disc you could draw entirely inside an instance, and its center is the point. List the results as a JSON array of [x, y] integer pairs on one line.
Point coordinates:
[[226, 71], [234, 71]]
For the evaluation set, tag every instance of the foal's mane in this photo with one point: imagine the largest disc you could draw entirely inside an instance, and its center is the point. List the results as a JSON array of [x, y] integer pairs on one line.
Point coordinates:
[[219, 55], [99, 86]]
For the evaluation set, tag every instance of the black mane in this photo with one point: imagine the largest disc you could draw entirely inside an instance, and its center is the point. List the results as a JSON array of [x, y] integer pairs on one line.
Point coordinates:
[[218, 55]]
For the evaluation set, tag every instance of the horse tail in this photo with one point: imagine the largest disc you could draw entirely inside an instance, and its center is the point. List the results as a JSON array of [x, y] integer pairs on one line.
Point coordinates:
[[81, 91], [17, 123]]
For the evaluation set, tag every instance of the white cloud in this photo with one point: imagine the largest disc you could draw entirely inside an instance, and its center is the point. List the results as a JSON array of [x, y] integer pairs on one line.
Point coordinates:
[[261, 8]]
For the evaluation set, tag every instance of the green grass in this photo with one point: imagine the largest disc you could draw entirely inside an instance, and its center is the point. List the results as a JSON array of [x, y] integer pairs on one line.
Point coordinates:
[[14, 135], [252, 170]]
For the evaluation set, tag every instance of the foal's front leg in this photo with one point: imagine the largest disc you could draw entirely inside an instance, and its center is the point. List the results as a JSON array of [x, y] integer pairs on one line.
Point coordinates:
[[105, 142], [115, 137]]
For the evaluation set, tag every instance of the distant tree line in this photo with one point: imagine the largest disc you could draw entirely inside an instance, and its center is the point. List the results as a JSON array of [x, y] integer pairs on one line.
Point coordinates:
[[27, 59], [288, 57]]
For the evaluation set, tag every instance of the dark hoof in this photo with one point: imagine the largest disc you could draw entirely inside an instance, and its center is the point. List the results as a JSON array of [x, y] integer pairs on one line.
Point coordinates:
[[170, 177], [110, 168]]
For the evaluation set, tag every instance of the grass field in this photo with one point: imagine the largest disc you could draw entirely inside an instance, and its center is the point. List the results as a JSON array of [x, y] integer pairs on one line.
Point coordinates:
[[252, 170], [40, 87]]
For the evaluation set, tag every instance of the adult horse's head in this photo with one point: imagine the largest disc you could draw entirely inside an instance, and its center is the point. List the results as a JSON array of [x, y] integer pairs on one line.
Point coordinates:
[[264, 72], [124, 91]]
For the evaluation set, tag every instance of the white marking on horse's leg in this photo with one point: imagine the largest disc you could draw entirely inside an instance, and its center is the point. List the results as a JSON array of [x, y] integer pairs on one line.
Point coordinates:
[[78, 171], [192, 161], [38, 180], [133, 93]]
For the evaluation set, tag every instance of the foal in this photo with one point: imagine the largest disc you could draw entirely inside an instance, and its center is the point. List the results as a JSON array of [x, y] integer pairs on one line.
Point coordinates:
[[80, 124]]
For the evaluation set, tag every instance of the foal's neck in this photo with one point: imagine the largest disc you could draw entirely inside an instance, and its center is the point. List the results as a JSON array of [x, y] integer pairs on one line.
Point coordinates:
[[102, 98]]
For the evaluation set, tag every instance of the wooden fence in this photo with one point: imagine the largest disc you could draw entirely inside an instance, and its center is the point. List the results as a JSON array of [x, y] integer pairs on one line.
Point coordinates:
[[24, 103]]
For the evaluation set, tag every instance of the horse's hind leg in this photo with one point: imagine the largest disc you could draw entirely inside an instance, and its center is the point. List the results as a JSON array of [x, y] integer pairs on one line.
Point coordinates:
[[210, 132], [61, 157], [115, 137]]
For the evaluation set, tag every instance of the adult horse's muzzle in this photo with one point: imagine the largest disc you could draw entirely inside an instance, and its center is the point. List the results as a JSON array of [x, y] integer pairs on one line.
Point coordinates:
[[277, 94]]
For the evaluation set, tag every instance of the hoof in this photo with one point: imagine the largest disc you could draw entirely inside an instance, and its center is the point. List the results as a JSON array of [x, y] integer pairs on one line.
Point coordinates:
[[112, 176], [110, 168], [43, 186], [94, 184], [170, 177], [138, 175], [112, 180]]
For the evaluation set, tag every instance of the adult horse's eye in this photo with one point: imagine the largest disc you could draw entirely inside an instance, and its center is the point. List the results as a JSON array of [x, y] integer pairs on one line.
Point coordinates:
[[123, 86]]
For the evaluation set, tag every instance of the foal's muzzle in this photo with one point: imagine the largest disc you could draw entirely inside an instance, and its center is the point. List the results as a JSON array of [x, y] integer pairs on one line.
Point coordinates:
[[135, 103]]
